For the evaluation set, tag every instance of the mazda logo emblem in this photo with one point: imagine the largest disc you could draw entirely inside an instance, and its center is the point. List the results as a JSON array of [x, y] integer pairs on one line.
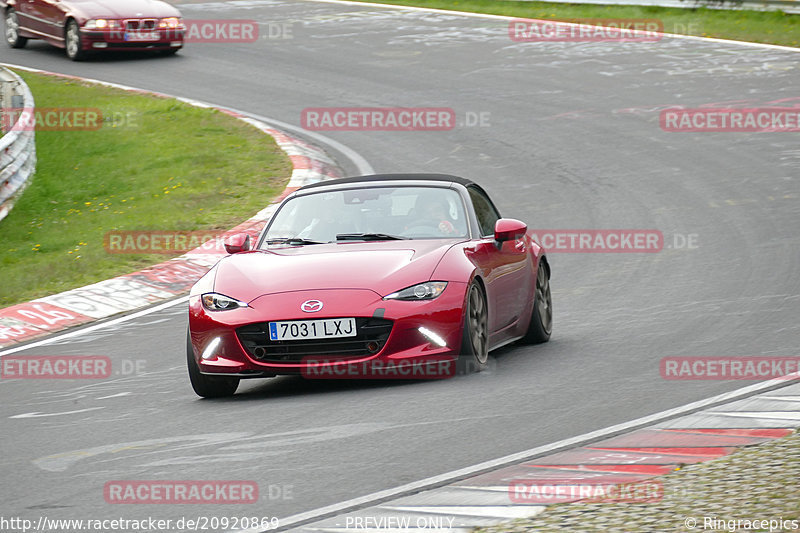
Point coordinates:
[[311, 306]]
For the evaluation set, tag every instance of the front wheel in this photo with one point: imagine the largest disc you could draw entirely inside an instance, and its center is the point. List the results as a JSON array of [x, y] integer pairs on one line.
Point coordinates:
[[541, 324], [72, 41], [13, 37], [475, 337], [208, 386]]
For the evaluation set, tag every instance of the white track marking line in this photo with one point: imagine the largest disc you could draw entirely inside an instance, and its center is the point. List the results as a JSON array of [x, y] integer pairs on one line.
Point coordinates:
[[478, 511], [782, 398], [446, 478], [766, 415], [95, 327], [359, 161], [38, 414], [114, 396]]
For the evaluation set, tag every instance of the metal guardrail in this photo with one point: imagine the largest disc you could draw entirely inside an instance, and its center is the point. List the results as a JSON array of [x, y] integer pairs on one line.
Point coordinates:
[[17, 146]]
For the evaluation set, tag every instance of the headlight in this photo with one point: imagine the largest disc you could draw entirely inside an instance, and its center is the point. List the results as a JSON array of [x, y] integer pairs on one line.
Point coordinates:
[[173, 23], [101, 24], [423, 291], [219, 302]]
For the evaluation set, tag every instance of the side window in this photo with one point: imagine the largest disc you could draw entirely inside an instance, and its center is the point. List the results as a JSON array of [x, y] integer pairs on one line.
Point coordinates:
[[484, 210]]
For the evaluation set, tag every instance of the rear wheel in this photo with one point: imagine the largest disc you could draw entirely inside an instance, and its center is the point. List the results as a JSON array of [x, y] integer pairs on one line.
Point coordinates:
[[12, 30], [72, 41], [208, 386], [475, 338], [541, 324]]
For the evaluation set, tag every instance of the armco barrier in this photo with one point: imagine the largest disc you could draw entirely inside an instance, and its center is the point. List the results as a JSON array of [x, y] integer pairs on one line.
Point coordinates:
[[17, 147]]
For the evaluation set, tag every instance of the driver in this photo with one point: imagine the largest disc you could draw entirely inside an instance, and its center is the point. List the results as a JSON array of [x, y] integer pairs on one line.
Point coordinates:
[[432, 211]]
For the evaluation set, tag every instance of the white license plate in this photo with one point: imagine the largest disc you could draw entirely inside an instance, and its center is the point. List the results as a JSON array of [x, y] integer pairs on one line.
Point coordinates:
[[326, 328], [142, 36]]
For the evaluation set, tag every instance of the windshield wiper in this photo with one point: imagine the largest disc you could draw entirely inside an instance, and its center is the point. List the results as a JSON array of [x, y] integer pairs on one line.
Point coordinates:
[[368, 237], [291, 240]]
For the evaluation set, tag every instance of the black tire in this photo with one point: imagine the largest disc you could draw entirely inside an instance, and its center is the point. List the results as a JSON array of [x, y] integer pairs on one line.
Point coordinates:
[[72, 41], [475, 337], [208, 386], [541, 323], [11, 28], [170, 52]]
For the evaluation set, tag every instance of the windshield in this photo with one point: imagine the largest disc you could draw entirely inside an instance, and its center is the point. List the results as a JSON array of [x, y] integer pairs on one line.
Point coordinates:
[[373, 213]]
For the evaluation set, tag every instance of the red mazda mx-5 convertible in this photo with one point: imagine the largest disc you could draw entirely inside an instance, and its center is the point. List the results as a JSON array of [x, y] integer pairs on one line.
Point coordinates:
[[373, 276], [84, 26]]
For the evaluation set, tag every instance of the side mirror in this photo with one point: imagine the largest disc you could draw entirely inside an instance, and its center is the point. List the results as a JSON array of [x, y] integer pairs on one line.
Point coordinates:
[[239, 242], [509, 229]]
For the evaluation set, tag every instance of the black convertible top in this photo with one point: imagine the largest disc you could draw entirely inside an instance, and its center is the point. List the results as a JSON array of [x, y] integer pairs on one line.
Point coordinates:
[[390, 177]]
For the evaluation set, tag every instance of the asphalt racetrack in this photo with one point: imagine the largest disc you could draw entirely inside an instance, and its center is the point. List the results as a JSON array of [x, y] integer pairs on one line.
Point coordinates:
[[567, 136]]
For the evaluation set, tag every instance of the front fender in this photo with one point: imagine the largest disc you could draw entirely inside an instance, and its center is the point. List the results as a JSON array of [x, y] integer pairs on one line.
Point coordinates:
[[455, 264]]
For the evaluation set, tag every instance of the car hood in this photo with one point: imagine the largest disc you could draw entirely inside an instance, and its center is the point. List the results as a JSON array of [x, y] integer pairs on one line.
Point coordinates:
[[126, 9], [383, 267]]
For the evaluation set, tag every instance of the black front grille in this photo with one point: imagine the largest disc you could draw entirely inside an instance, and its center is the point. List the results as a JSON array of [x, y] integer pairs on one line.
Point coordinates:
[[140, 24], [372, 334]]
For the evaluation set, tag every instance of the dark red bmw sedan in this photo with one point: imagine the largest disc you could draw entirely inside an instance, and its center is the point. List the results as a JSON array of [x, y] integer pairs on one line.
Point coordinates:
[[85, 26], [386, 276]]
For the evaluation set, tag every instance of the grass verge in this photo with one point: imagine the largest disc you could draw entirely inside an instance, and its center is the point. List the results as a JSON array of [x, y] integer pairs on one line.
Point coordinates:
[[773, 27], [155, 164]]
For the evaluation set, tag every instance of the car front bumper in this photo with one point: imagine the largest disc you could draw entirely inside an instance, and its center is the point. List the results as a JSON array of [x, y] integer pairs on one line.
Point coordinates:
[[422, 333], [117, 40]]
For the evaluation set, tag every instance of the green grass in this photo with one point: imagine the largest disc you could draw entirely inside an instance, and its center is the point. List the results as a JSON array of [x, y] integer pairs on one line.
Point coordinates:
[[165, 166], [772, 27]]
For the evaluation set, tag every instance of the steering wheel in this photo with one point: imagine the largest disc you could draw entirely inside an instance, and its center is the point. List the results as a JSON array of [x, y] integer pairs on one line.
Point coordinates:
[[444, 228]]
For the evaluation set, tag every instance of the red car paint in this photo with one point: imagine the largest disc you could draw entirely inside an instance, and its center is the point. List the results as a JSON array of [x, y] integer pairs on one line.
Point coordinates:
[[133, 20], [351, 279]]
